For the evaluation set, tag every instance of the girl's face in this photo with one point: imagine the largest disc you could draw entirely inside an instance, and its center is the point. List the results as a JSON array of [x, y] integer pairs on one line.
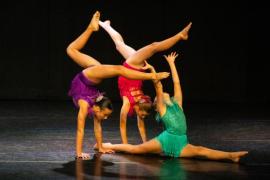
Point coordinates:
[[143, 109], [142, 113], [102, 114]]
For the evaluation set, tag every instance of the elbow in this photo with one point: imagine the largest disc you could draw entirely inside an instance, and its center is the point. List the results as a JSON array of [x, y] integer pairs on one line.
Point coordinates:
[[81, 118], [123, 123], [140, 127]]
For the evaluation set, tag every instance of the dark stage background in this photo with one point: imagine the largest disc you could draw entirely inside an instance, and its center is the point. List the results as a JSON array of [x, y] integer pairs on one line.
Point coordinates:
[[223, 60]]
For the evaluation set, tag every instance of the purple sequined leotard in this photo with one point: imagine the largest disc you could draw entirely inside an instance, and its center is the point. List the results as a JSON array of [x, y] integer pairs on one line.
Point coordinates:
[[83, 88]]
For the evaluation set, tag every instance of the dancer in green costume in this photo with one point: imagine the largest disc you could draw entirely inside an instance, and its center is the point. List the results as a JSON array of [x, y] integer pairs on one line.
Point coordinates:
[[173, 140]]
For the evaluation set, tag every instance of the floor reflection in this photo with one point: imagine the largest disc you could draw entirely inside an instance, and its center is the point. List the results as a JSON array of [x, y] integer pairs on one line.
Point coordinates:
[[126, 166]]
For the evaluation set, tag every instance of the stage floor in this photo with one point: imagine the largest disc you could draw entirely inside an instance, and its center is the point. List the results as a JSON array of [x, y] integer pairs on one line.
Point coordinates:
[[37, 141]]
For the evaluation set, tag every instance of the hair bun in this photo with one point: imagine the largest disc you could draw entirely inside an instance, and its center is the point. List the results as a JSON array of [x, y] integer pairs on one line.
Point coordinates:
[[99, 98]]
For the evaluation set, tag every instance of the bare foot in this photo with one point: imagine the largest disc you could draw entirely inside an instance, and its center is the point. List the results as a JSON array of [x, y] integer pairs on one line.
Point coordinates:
[[106, 145], [94, 21], [235, 156], [105, 23], [184, 32], [161, 75]]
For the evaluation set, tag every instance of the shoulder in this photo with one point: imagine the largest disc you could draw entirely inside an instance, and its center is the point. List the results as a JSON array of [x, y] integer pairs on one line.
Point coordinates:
[[176, 103], [162, 111]]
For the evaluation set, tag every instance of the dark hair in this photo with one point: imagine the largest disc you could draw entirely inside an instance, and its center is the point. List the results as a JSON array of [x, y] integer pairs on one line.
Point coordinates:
[[145, 106], [103, 102], [145, 103]]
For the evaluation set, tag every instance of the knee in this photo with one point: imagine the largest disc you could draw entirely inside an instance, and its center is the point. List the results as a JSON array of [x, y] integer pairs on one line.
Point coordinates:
[[70, 50], [119, 68], [80, 131], [119, 45], [154, 46], [135, 149], [123, 123], [200, 150]]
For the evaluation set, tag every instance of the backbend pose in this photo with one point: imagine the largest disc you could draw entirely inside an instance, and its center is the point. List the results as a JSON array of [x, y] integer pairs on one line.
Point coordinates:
[[83, 89], [135, 102], [173, 141]]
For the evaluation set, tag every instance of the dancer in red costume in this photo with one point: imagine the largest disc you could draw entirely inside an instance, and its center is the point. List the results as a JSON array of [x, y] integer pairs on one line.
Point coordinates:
[[135, 102]]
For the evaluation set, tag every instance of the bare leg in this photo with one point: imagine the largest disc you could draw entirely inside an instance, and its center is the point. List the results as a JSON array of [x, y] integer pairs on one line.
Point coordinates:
[[198, 151], [151, 146], [125, 50], [147, 51], [100, 72], [73, 50]]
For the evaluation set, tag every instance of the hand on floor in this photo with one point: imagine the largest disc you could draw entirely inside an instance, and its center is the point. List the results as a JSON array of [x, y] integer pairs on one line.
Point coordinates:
[[83, 156]]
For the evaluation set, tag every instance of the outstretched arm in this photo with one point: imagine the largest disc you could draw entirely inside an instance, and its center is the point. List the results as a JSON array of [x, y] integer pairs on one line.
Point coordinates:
[[123, 120], [80, 129], [176, 81], [109, 71], [161, 108], [73, 50]]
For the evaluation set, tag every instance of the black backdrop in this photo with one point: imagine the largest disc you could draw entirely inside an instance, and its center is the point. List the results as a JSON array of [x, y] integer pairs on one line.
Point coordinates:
[[223, 60]]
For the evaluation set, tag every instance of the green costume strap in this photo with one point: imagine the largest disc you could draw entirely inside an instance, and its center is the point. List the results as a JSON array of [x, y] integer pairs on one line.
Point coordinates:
[[174, 138]]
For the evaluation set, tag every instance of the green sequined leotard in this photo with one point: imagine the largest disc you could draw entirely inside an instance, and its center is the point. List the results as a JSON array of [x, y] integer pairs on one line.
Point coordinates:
[[174, 138]]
